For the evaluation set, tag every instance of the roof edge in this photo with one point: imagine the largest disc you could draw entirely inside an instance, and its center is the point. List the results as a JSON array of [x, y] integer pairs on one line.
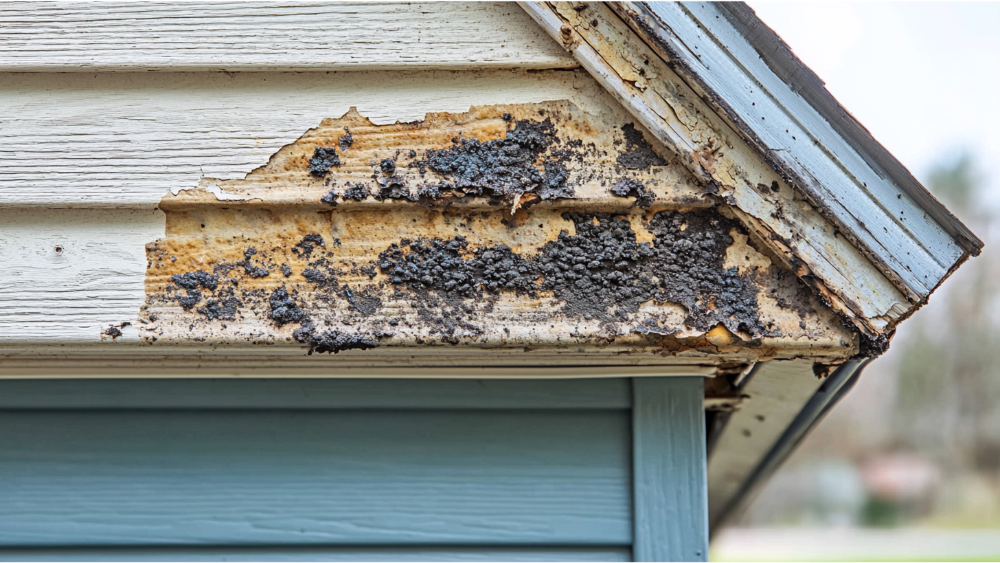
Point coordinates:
[[778, 56], [869, 196]]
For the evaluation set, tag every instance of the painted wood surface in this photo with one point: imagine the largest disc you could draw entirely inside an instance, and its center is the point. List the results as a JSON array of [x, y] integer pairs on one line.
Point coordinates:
[[119, 140], [41, 362], [605, 393], [67, 274], [408, 553], [884, 221], [125, 140], [671, 512], [180, 477], [666, 105], [238, 36], [776, 393]]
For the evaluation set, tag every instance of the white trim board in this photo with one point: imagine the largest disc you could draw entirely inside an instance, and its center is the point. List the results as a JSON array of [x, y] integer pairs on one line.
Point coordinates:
[[401, 372]]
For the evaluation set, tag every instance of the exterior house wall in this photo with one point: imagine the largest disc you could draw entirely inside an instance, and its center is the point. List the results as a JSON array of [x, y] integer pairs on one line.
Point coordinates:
[[593, 470], [459, 191]]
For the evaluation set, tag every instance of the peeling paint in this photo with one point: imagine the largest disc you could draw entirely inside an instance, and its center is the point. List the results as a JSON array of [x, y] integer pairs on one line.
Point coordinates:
[[482, 265]]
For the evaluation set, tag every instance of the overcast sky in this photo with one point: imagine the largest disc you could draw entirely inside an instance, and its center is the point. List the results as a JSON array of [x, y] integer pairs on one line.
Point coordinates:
[[923, 77]]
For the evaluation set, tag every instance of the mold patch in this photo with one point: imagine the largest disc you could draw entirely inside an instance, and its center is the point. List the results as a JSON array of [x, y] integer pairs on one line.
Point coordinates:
[[639, 154], [334, 341], [196, 279], [346, 140], [504, 168], [458, 246], [323, 159], [283, 309], [628, 187]]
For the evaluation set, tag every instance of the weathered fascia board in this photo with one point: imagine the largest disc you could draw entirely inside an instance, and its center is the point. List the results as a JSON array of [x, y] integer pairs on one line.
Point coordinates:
[[497, 229], [287, 261], [665, 104], [270, 36], [886, 223]]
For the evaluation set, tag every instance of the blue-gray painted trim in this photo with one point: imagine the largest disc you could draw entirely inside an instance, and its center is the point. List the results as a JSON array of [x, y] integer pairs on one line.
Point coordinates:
[[837, 385], [669, 470], [598, 393]]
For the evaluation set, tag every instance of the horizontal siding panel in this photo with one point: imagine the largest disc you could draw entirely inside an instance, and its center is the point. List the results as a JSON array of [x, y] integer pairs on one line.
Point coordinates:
[[314, 477], [111, 36], [407, 553], [315, 394], [127, 139]]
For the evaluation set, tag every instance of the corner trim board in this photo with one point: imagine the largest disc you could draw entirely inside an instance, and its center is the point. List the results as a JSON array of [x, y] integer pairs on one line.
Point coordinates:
[[669, 477]]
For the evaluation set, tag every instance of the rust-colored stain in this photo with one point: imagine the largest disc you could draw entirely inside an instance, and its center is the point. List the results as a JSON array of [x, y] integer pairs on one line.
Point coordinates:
[[506, 227]]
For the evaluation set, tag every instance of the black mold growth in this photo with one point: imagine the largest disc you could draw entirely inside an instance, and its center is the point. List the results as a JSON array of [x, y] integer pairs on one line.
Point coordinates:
[[639, 154], [346, 140], [115, 331], [330, 198], [633, 188], [323, 159], [224, 309], [691, 252], [440, 265], [603, 268], [196, 279], [601, 272], [304, 248], [366, 302], [393, 187], [283, 309], [597, 268], [319, 278], [356, 192], [870, 346], [334, 341], [188, 302], [251, 269], [503, 168]]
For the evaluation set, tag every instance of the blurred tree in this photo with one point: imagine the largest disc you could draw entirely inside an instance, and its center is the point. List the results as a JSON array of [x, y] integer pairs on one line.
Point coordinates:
[[933, 402], [948, 399]]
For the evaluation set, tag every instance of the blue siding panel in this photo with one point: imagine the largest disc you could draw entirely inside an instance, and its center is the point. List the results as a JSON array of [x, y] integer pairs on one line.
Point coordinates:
[[298, 553], [315, 393], [241, 477], [669, 455]]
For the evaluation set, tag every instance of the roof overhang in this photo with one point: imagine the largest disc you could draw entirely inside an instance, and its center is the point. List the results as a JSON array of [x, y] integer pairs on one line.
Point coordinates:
[[847, 216]]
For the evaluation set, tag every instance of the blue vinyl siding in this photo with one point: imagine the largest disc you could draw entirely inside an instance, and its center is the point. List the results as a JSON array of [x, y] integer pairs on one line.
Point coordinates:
[[426, 470], [300, 553]]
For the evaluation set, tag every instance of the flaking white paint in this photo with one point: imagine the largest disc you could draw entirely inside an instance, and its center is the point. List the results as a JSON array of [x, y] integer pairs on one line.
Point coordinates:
[[85, 159], [667, 106], [117, 140]]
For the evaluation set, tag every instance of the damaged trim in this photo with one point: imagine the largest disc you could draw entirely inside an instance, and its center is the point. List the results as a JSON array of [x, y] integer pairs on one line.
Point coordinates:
[[714, 150], [495, 229]]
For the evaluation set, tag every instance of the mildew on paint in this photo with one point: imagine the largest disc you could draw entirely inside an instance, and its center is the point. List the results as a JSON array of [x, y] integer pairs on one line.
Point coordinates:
[[505, 227]]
